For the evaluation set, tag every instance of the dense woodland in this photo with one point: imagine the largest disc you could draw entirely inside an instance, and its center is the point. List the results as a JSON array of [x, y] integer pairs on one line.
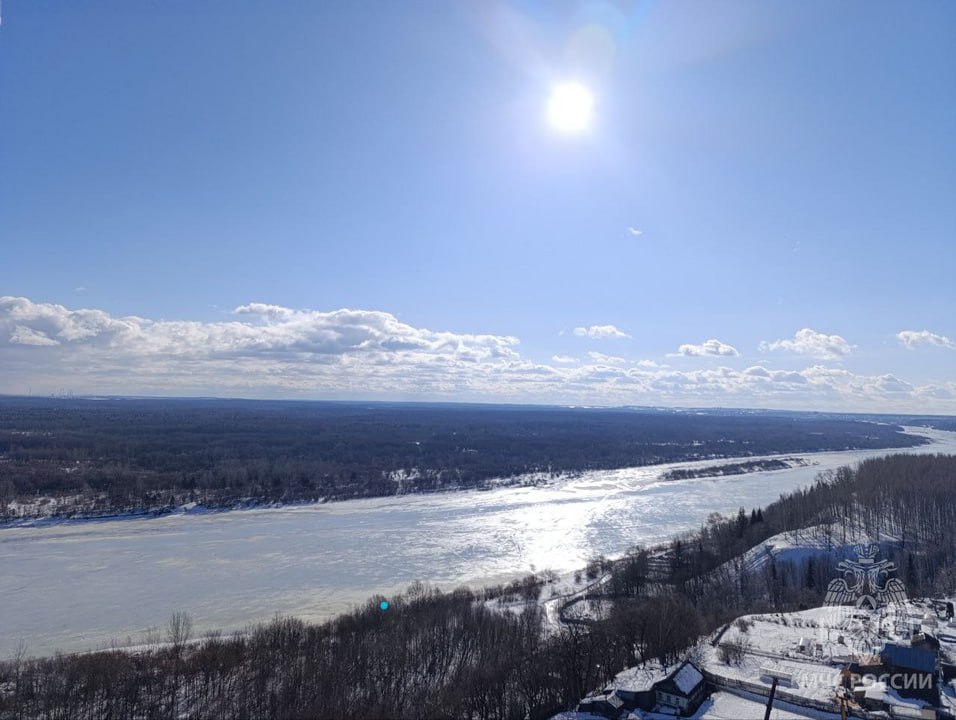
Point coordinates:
[[124, 455], [458, 655]]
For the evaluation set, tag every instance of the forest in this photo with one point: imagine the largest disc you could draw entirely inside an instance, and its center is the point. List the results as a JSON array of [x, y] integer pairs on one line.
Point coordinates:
[[458, 655], [120, 455]]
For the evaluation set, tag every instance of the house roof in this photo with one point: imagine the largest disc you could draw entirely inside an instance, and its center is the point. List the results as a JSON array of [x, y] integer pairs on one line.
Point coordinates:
[[684, 680], [687, 678], [610, 698], [638, 679], [909, 658]]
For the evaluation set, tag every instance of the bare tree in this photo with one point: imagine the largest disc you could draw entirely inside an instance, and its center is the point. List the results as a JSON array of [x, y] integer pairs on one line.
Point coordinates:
[[179, 629]]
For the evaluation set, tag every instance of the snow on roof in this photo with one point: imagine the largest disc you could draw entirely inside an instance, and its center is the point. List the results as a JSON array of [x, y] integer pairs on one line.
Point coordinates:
[[637, 679], [877, 692], [687, 678], [610, 698]]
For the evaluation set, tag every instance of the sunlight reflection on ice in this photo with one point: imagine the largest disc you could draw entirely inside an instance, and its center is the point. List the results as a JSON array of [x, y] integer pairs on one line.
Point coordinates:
[[75, 586]]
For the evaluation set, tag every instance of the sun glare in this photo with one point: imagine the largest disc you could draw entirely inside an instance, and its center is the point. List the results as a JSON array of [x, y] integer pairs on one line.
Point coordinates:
[[569, 108]]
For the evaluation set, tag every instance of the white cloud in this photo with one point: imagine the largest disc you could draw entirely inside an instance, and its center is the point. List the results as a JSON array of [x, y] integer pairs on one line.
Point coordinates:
[[600, 332], [273, 351], [912, 339], [708, 347], [27, 336], [891, 384], [268, 334], [602, 358], [937, 392], [634, 232], [812, 343]]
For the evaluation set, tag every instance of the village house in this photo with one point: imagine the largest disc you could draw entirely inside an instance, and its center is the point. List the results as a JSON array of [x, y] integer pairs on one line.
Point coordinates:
[[680, 690], [683, 690]]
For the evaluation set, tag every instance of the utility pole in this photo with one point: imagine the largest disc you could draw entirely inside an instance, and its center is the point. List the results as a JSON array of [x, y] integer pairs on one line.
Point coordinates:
[[841, 697], [773, 691]]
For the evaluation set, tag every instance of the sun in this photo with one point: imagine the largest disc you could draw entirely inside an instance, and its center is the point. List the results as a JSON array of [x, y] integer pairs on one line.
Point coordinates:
[[569, 108]]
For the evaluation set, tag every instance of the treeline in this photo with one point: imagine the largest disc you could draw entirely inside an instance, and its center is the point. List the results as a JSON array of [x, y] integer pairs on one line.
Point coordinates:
[[125, 455], [906, 503], [428, 655], [456, 655]]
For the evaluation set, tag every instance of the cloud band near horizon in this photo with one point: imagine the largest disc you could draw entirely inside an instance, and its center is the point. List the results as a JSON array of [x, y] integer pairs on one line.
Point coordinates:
[[274, 351]]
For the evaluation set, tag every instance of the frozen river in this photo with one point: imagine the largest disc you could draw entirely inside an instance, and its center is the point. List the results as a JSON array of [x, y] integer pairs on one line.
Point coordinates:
[[76, 586]]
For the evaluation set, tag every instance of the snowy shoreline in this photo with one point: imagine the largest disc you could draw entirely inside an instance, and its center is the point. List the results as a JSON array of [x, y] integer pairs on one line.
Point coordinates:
[[697, 469]]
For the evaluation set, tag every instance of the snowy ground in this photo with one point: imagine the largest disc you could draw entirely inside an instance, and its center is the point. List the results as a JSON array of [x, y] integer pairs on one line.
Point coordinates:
[[76, 586], [811, 646], [805, 650], [799, 545], [724, 706], [745, 706]]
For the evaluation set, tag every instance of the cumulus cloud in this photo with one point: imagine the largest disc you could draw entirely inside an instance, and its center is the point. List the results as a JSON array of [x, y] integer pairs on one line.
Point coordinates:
[[272, 351], [27, 336], [634, 232], [891, 384], [937, 392], [708, 347], [280, 342], [812, 343], [912, 339], [600, 332]]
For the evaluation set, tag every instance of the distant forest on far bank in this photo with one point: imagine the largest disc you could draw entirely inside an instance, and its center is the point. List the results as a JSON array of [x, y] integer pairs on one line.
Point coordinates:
[[117, 455]]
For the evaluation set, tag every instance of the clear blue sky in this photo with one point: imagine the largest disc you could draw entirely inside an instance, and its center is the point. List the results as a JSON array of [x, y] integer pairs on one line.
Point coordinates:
[[761, 212]]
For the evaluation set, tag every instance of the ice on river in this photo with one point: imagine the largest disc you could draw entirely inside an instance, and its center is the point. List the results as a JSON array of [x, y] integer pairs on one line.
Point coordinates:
[[77, 585]]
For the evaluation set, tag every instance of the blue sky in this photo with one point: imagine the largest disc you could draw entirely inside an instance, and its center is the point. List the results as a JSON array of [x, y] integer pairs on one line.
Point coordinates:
[[193, 194]]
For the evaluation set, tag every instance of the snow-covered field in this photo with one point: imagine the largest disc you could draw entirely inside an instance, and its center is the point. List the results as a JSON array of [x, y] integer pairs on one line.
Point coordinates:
[[809, 648], [729, 706], [77, 585]]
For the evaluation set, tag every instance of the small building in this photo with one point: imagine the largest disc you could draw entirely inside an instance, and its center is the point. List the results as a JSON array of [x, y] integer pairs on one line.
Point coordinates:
[[607, 705], [911, 672], [683, 690], [877, 697], [783, 677], [635, 686]]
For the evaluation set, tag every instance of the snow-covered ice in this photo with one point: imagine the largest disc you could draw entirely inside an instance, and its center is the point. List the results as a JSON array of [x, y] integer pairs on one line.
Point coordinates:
[[77, 585]]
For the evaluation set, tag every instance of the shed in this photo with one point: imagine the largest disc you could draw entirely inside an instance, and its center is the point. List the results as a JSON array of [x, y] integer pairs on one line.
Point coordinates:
[[911, 672]]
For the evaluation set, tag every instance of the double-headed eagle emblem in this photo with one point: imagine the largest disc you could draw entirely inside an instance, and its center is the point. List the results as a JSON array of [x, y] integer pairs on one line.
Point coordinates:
[[866, 581]]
